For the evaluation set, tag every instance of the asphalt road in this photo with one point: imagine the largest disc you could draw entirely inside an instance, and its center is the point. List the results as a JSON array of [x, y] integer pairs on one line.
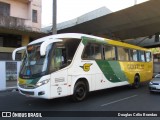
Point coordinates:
[[115, 99]]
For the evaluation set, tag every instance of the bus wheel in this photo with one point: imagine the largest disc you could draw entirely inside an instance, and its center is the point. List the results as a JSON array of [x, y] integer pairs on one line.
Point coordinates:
[[80, 91], [136, 83]]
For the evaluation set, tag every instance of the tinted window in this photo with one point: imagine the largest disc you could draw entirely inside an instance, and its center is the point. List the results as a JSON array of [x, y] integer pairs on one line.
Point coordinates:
[[34, 16], [4, 9], [92, 51], [123, 54], [133, 55], [8, 56], [148, 56], [110, 53], [141, 56], [157, 76]]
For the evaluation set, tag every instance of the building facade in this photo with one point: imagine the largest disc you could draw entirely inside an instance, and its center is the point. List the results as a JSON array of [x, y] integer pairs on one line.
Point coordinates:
[[20, 23]]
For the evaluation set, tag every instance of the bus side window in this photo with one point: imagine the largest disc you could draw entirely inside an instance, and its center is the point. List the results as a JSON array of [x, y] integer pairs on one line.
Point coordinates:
[[109, 53], [86, 52], [148, 56], [56, 60], [92, 51], [133, 55], [123, 54], [97, 52], [141, 56]]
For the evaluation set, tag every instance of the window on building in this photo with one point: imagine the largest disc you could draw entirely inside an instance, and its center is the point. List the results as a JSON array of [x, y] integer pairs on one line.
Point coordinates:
[[31, 39], [1, 41], [4, 9], [8, 56], [8, 40], [123, 53], [110, 53], [34, 16], [92, 51]]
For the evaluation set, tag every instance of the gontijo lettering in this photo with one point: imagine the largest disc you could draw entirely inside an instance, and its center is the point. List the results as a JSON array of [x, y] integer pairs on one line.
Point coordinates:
[[135, 66]]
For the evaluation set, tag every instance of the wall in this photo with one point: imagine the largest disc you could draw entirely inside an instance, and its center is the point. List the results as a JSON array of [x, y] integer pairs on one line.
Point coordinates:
[[2, 78], [18, 9], [37, 5], [23, 9], [4, 75]]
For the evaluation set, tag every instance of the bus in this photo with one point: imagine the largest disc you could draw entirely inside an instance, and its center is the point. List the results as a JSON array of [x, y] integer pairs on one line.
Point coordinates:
[[73, 64]]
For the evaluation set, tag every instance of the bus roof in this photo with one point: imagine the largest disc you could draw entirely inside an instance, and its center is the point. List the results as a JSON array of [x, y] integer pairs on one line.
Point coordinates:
[[123, 44], [65, 35], [79, 36]]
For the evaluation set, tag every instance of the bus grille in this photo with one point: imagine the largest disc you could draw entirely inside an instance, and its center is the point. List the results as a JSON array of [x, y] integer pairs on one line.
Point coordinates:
[[27, 86], [27, 92]]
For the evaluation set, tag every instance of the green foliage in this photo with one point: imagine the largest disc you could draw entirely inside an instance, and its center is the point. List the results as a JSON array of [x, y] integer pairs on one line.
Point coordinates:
[[155, 50]]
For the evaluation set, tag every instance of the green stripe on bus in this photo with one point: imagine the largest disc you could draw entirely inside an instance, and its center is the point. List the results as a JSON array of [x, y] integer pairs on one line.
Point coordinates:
[[117, 70], [32, 81], [111, 70]]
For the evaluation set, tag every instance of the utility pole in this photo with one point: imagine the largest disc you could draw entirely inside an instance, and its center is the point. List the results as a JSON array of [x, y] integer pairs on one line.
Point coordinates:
[[54, 19], [135, 2]]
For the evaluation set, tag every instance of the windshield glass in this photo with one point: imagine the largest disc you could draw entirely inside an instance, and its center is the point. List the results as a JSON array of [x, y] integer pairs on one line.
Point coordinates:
[[33, 63], [157, 76], [58, 56]]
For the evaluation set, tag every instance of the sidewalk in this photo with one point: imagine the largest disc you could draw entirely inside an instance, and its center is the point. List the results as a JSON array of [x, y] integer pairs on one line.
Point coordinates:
[[10, 86]]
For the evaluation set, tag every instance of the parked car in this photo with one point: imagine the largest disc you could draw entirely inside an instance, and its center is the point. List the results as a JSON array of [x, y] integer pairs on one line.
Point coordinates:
[[154, 84]]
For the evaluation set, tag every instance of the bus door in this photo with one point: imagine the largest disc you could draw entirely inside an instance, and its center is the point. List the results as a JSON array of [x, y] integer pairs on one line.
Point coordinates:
[[93, 52], [58, 71]]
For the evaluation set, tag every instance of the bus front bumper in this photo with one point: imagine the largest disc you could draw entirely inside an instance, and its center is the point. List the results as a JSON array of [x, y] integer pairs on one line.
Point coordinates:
[[39, 92]]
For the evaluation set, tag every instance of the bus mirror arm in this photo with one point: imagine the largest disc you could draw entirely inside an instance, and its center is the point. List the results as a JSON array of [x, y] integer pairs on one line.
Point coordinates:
[[45, 44], [16, 50]]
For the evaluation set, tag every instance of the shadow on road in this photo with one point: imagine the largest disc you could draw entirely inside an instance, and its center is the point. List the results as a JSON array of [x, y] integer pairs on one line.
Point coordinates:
[[66, 102]]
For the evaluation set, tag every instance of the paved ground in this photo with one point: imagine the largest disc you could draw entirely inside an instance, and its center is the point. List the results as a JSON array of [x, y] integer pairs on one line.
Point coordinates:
[[114, 99]]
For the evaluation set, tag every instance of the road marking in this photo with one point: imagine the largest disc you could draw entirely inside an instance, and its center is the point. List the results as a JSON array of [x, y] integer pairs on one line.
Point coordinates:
[[118, 100]]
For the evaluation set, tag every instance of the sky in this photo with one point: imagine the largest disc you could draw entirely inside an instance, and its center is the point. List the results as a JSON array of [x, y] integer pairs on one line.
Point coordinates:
[[70, 9]]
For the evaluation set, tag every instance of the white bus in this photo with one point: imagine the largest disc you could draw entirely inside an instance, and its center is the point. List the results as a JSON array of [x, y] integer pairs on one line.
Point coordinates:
[[75, 64]]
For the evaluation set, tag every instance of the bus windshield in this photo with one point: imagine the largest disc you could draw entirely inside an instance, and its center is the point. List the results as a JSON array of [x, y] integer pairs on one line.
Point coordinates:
[[33, 63], [58, 56]]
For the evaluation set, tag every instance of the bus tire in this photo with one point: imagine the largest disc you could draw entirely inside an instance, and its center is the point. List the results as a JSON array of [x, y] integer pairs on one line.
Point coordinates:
[[136, 83], [80, 91]]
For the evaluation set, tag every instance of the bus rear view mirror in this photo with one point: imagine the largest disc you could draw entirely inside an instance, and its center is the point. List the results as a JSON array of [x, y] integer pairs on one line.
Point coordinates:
[[45, 44], [16, 50]]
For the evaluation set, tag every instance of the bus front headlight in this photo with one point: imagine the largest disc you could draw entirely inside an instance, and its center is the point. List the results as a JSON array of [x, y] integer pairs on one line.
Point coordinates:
[[42, 82], [151, 83]]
